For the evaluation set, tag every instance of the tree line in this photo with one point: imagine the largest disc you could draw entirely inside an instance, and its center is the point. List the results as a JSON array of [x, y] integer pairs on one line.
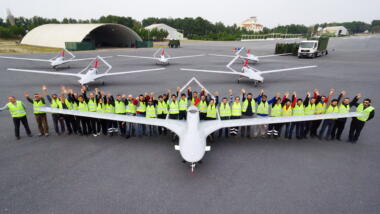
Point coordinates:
[[192, 28]]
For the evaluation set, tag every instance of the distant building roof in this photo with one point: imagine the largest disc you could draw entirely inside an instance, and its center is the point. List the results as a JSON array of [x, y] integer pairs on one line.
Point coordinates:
[[55, 35]]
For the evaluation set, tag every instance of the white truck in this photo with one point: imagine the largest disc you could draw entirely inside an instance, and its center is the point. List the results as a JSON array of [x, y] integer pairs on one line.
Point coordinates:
[[313, 48]]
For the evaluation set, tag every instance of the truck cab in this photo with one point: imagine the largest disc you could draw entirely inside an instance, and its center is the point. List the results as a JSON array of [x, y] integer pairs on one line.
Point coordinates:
[[308, 48]]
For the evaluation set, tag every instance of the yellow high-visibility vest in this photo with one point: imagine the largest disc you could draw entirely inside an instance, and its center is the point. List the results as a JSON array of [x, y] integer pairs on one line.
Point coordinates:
[[37, 104], [320, 108], [276, 111], [16, 110], [263, 108], [101, 108], [150, 111], [287, 112], [183, 104], [119, 107], [202, 106], [82, 106], [141, 107], [366, 112], [110, 108], [344, 109], [174, 107], [225, 110], [131, 108], [298, 110], [236, 109], [253, 105], [211, 111], [91, 105], [310, 109], [162, 108]]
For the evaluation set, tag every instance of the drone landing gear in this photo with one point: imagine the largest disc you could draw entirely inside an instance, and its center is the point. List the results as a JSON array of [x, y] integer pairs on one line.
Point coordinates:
[[192, 167], [257, 83]]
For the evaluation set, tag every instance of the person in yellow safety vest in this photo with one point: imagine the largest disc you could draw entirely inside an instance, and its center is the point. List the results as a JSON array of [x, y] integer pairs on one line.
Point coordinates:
[[174, 112], [18, 112], [83, 121], [358, 123], [202, 106], [40, 116], [328, 124], [58, 121], [212, 111], [276, 111], [183, 105], [71, 104], [248, 111], [92, 103], [225, 114], [162, 111], [298, 110], [131, 111], [69, 119], [236, 112], [140, 112], [110, 108], [101, 108], [344, 107], [320, 108], [120, 108], [151, 112], [263, 106], [287, 111], [309, 105]]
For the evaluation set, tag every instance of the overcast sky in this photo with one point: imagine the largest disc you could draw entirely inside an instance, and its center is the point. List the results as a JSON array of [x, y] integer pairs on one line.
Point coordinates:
[[269, 12]]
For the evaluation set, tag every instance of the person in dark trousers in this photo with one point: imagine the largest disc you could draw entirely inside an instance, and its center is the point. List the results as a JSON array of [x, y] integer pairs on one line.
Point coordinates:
[[225, 114], [18, 112], [287, 111], [40, 116], [344, 107], [309, 106], [298, 110], [110, 108], [58, 120], [328, 124], [69, 119], [162, 111], [248, 111], [320, 108], [357, 123]]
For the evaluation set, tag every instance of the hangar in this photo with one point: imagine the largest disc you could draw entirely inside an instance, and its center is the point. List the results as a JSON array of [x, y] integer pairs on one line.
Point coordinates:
[[102, 35]]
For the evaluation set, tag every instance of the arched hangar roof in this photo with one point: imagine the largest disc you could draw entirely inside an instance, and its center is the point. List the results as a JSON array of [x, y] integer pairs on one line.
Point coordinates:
[[55, 35]]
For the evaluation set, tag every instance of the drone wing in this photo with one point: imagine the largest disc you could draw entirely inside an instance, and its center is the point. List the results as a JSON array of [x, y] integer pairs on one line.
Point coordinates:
[[211, 126], [174, 125], [140, 57], [285, 69], [28, 59], [46, 72]]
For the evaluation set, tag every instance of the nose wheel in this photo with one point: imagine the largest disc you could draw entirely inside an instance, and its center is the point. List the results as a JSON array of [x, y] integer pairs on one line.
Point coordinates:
[[192, 167]]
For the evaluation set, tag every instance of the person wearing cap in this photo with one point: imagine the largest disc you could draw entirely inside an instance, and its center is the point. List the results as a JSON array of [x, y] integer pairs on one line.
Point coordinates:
[[344, 107], [357, 123], [58, 120], [40, 116], [18, 112]]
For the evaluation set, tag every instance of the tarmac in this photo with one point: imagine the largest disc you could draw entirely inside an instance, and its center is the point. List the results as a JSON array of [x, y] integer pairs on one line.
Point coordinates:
[[73, 174]]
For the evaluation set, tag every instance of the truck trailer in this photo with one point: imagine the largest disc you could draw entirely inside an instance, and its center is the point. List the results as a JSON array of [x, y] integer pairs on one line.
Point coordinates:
[[313, 47]]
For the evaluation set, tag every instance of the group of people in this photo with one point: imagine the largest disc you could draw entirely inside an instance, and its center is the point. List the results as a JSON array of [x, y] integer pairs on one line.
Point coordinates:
[[174, 105]]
